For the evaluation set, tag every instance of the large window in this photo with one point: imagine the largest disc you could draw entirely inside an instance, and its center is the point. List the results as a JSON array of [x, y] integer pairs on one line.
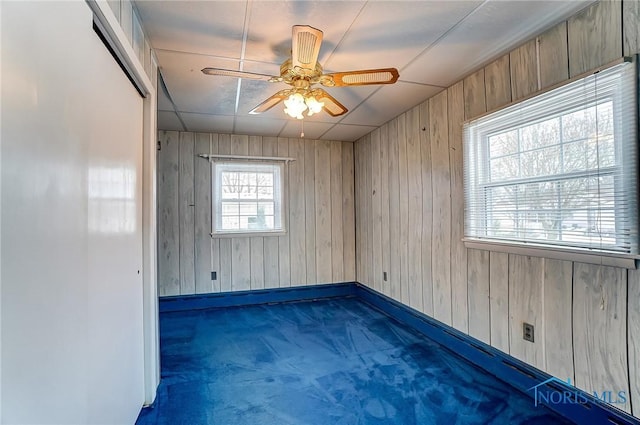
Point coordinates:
[[247, 197], [558, 169]]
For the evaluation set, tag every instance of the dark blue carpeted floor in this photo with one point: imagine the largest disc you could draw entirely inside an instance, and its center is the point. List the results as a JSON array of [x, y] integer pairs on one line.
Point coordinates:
[[324, 362]]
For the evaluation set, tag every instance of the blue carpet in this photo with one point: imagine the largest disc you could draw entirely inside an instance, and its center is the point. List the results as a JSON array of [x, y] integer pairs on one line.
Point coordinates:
[[326, 362]]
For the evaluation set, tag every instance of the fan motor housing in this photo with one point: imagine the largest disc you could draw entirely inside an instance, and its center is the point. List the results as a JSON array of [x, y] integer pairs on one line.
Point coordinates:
[[290, 74]]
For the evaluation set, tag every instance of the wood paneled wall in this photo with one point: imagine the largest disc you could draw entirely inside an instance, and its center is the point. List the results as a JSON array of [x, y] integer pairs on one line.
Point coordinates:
[[319, 246], [409, 216]]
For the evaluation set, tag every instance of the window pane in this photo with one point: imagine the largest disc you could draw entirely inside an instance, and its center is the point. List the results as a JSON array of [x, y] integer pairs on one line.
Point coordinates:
[[265, 179], [230, 208], [540, 134], [230, 223], [266, 208], [505, 168], [503, 144], [250, 208], [265, 192], [540, 162]]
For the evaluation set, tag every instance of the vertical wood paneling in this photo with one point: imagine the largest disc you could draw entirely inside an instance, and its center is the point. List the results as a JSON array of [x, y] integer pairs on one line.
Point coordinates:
[[297, 213], [186, 211], [558, 346], [554, 55], [599, 337], [241, 247], [479, 304], [441, 231], [323, 211], [633, 319], [348, 217], [497, 79], [376, 209], [337, 243], [474, 95], [525, 305], [215, 242], [459, 297], [256, 244], [394, 212], [310, 210], [414, 186], [168, 216], [271, 250], [427, 210], [283, 241], [499, 300], [202, 210], [256, 255], [404, 208], [359, 208], [595, 36], [631, 27], [524, 70], [384, 205], [224, 148], [366, 211]]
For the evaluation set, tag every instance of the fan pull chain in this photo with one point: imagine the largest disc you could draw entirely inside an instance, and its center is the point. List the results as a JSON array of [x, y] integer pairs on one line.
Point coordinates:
[[302, 126]]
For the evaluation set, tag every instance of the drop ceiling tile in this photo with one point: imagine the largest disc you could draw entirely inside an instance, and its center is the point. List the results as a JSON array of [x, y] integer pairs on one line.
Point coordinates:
[[255, 125], [347, 133], [487, 33], [205, 27], [389, 102], [390, 34], [253, 93], [168, 120], [193, 91], [208, 123], [269, 37], [312, 130]]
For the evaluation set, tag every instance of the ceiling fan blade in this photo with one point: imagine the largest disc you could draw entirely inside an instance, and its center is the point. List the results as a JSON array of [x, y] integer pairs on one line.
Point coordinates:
[[270, 102], [239, 74], [331, 106], [361, 78], [305, 49]]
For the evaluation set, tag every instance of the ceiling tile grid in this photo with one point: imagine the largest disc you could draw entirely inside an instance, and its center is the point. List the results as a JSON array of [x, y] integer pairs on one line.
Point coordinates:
[[432, 43]]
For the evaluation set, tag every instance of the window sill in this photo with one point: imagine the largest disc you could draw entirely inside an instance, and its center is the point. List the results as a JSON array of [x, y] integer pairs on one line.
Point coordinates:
[[626, 261], [223, 235]]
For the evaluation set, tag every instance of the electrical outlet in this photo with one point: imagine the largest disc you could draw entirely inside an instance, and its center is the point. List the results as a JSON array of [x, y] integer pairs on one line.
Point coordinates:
[[527, 332], [214, 275]]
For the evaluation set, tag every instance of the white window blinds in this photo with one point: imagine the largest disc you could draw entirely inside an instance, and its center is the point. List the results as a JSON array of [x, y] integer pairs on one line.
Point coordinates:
[[559, 169]]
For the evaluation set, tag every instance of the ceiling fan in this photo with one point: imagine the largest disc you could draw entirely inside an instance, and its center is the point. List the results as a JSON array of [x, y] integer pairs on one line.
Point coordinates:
[[302, 71]]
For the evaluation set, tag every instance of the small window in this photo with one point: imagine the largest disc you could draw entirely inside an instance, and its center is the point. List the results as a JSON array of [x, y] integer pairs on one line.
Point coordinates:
[[559, 169], [247, 197]]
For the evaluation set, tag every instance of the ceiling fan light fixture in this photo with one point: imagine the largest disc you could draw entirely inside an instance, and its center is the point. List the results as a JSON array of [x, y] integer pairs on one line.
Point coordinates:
[[295, 105], [314, 105]]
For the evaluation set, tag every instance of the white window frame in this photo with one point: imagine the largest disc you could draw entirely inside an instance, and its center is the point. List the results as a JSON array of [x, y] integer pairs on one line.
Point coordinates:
[[477, 133], [239, 165]]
